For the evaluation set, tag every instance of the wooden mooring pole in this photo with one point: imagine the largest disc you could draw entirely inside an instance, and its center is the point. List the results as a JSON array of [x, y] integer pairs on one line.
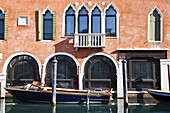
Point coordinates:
[[124, 64], [54, 81]]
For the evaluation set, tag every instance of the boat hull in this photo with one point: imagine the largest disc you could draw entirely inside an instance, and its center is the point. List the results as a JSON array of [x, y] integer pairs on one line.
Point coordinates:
[[160, 95], [46, 97]]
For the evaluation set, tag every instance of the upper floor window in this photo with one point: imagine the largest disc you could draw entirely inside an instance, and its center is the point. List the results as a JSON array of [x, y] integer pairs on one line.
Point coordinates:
[[155, 25], [70, 22], [3, 25], [47, 25], [83, 21], [96, 21], [111, 22]]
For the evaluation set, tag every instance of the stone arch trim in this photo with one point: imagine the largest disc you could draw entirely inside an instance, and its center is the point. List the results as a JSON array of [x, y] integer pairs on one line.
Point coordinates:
[[18, 54], [55, 54], [90, 56]]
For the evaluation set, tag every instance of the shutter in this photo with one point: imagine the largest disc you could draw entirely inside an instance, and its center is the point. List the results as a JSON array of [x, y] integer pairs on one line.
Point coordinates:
[[54, 25], [152, 28], [6, 26], [40, 25]]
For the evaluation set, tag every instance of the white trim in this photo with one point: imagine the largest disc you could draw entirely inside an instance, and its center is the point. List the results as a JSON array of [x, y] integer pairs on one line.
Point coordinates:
[[96, 5], [64, 15], [2, 10], [161, 27], [77, 12], [46, 10], [117, 19], [87, 58], [10, 58], [56, 54]]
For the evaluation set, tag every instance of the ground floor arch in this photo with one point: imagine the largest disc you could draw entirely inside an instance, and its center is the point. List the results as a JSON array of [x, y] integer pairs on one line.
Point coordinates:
[[67, 70], [99, 70]]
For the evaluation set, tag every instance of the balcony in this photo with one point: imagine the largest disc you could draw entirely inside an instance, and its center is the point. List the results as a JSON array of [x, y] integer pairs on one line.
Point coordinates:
[[89, 41]]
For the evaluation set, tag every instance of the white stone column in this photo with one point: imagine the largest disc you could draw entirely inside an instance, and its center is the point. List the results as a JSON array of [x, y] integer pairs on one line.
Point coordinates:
[[2, 83], [164, 74], [120, 80]]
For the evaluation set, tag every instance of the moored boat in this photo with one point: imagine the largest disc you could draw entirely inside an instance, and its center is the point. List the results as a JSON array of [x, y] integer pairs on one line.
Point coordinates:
[[160, 95], [44, 95]]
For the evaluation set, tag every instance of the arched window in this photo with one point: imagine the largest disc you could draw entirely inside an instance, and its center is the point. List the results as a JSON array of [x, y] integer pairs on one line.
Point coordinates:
[[111, 22], [70, 22], [83, 21], [66, 72], [47, 26], [96, 21], [1, 25], [22, 70], [100, 72], [155, 24]]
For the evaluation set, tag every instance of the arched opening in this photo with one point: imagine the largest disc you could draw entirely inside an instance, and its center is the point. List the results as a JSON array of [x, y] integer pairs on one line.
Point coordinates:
[[66, 72], [21, 70], [100, 72]]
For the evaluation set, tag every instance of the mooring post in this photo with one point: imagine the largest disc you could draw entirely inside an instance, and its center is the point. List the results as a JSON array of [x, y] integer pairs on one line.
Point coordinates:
[[124, 64], [87, 99], [169, 75], [54, 81]]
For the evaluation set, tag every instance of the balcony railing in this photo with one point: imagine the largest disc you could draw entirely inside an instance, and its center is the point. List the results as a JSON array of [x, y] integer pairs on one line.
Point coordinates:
[[89, 41]]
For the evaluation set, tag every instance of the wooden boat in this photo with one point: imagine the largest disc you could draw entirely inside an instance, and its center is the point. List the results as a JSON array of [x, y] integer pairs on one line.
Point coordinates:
[[160, 95], [43, 94]]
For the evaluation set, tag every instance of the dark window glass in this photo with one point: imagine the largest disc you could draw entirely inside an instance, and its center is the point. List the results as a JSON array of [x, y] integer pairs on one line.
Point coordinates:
[[96, 21], [100, 72], [1, 25], [70, 22], [143, 74], [66, 72], [48, 26], [22, 70], [157, 25], [83, 21], [110, 22]]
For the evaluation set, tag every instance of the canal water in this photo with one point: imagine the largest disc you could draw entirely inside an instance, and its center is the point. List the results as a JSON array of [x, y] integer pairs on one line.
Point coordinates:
[[116, 107]]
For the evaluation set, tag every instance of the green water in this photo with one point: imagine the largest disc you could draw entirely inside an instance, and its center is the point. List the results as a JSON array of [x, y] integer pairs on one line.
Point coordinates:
[[116, 107]]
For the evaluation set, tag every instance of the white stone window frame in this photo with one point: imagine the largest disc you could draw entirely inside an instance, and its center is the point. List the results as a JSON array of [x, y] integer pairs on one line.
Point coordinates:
[[43, 13], [103, 16], [117, 20], [64, 21], [90, 21], [161, 25]]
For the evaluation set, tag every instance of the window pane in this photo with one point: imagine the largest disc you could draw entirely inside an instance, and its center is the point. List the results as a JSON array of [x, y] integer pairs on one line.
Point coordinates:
[[70, 25], [48, 29], [48, 15], [110, 11], [70, 11], [96, 24], [111, 26], [140, 85], [2, 29], [64, 84], [142, 70], [96, 11], [83, 11], [83, 24], [100, 85], [1, 15], [157, 25]]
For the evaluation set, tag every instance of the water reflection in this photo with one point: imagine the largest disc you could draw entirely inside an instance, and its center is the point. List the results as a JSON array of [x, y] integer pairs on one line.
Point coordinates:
[[117, 107]]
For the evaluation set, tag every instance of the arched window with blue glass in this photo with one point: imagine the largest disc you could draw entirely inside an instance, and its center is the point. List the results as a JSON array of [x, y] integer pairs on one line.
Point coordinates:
[[111, 22], [83, 21], [48, 26], [70, 22], [1, 25], [96, 20]]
